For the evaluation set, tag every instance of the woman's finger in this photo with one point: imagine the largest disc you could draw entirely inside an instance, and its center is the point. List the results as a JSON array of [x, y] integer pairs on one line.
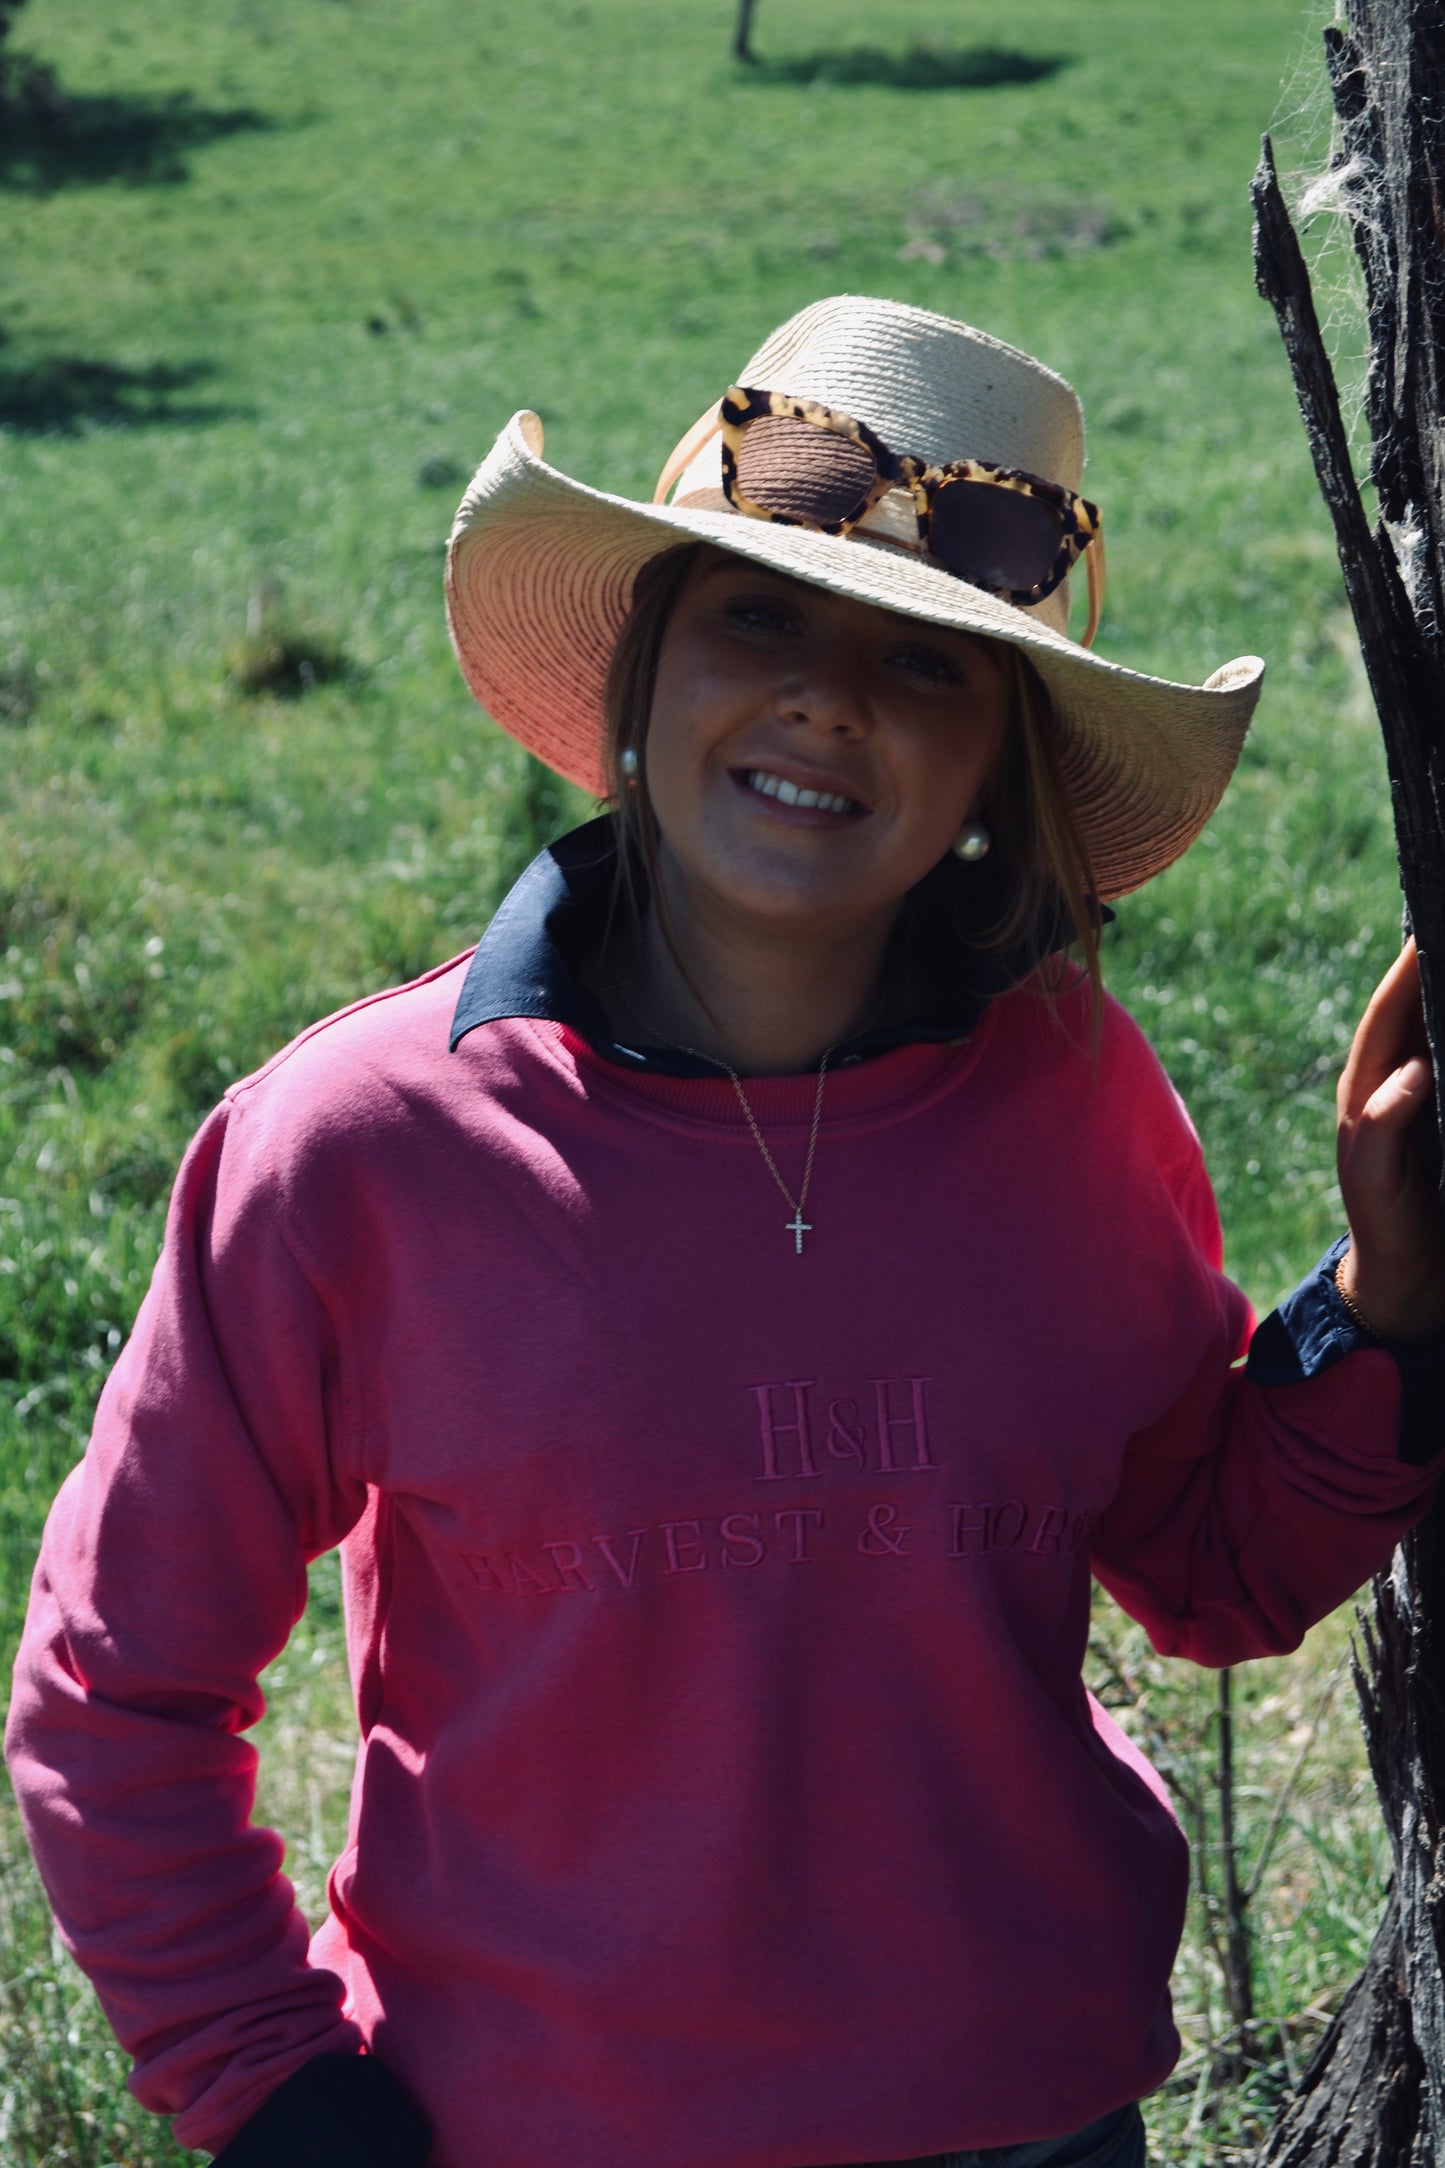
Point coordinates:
[[1395, 1103], [1390, 1033], [1385, 1195]]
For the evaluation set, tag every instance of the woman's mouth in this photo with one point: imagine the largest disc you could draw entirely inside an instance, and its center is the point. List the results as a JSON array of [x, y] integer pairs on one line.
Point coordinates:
[[763, 783]]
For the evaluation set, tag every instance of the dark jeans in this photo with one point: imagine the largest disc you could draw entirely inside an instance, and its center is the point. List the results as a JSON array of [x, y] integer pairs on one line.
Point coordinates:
[[1115, 2141]]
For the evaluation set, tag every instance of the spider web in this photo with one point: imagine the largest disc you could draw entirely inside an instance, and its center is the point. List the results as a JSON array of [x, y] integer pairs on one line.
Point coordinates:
[[1326, 193]]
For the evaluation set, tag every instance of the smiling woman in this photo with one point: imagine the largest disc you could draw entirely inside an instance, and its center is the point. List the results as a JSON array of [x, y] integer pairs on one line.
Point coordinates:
[[929, 728], [718, 1583], [808, 759]]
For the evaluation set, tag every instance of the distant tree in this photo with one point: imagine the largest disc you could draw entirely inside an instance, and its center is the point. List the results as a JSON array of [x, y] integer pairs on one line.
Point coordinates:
[[742, 34]]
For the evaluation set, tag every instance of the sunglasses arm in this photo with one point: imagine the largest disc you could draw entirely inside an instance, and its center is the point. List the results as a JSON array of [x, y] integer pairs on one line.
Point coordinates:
[[687, 449], [1094, 563]]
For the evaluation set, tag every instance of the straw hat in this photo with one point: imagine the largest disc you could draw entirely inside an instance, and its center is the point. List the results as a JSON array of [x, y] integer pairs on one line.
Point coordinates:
[[540, 571]]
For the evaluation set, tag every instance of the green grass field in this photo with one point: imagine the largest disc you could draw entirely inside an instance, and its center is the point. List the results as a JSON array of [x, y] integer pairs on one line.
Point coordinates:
[[273, 273]]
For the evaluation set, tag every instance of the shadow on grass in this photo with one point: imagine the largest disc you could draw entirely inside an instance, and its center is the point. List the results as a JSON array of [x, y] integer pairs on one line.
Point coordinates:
[[65, 394], [51, 138], [286, 661], [921, 67]]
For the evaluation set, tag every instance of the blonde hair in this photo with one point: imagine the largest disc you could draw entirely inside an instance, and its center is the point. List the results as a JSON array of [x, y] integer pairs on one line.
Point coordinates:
[[1040, 876]]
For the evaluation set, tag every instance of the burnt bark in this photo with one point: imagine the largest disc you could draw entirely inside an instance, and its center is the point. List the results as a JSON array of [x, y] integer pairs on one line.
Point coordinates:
[[1374, 2096], [1358, 2103]]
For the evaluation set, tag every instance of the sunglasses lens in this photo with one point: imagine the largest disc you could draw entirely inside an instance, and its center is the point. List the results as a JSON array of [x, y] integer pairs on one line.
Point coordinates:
[[994, 537], [803, 472]]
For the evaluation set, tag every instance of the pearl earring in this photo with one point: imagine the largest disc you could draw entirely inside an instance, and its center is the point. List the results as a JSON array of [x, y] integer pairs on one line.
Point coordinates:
[[972, 842], [627, 763]]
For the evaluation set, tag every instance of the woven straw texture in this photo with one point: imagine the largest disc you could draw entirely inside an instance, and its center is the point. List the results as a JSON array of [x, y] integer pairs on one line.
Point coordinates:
[[540, 572]]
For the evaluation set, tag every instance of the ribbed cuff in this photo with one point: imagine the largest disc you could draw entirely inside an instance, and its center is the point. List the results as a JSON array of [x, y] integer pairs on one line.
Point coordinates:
[[337, 2111], [1312, 1329]]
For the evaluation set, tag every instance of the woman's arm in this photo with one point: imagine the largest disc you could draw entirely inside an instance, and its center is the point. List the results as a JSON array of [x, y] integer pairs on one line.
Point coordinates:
[[172, 1571], [1267, 1494]]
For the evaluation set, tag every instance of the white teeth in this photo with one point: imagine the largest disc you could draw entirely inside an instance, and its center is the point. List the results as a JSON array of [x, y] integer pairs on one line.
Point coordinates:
[[774, 786]]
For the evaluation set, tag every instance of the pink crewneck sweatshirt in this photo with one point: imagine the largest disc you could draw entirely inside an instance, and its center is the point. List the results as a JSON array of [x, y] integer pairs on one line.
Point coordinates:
[[728, 1795]]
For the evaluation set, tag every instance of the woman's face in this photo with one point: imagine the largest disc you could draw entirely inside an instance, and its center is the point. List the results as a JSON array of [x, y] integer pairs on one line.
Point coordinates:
[[767, 688]]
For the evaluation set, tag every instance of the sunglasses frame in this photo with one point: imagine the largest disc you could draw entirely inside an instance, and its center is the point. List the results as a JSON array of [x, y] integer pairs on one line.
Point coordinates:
[[1082, 521]]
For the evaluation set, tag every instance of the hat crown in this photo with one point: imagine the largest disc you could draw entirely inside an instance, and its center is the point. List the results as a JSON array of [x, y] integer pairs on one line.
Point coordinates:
[[926, 384]]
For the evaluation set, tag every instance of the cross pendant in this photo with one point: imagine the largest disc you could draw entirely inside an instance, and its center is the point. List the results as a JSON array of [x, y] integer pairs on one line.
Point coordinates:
[[797, 1228]]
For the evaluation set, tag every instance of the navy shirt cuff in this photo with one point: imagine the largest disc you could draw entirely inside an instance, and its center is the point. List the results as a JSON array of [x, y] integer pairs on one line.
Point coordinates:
[[337, 2111], [1312, 1329]]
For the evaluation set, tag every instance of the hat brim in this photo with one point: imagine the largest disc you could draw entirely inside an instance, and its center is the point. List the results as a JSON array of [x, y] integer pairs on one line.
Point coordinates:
[[539, 579]]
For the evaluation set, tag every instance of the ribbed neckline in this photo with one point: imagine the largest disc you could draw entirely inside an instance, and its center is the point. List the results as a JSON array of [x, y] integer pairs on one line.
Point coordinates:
[[858, 1096]]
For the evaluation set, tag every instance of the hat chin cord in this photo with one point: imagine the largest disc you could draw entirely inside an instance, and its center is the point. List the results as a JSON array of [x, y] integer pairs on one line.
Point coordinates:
[[687, 448], [1094, 566], [706, 427]]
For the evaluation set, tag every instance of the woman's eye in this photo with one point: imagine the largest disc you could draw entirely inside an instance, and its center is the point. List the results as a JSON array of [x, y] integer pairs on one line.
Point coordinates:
[[929, 663], [758, 613]]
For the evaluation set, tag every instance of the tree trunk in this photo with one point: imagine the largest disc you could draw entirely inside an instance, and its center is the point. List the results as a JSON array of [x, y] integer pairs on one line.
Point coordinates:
[[1374, 2096], [1358, 2103], [743, 34]]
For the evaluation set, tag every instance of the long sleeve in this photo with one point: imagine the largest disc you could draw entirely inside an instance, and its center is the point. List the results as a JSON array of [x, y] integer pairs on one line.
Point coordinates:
[[172, 1571], [1270, 1490]]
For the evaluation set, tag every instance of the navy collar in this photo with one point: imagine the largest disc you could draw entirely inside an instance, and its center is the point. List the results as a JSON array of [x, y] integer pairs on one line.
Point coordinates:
[[527, 961]]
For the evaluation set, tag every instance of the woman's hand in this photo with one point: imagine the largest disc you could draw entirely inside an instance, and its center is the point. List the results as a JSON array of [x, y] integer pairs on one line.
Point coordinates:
[[1389, 1164]]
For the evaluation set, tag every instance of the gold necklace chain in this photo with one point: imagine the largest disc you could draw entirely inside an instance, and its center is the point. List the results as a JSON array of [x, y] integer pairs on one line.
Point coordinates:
[[797, 1226]]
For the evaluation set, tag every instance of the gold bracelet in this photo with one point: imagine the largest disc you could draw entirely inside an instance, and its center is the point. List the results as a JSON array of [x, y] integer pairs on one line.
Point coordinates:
[[1353, 1307]]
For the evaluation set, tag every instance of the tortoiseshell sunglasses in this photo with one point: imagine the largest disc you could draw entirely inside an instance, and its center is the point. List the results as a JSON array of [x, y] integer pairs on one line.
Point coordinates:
[[800, 464]]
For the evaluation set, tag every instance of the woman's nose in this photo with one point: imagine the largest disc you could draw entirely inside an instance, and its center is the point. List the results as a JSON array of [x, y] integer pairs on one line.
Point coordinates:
[[827, 694]]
